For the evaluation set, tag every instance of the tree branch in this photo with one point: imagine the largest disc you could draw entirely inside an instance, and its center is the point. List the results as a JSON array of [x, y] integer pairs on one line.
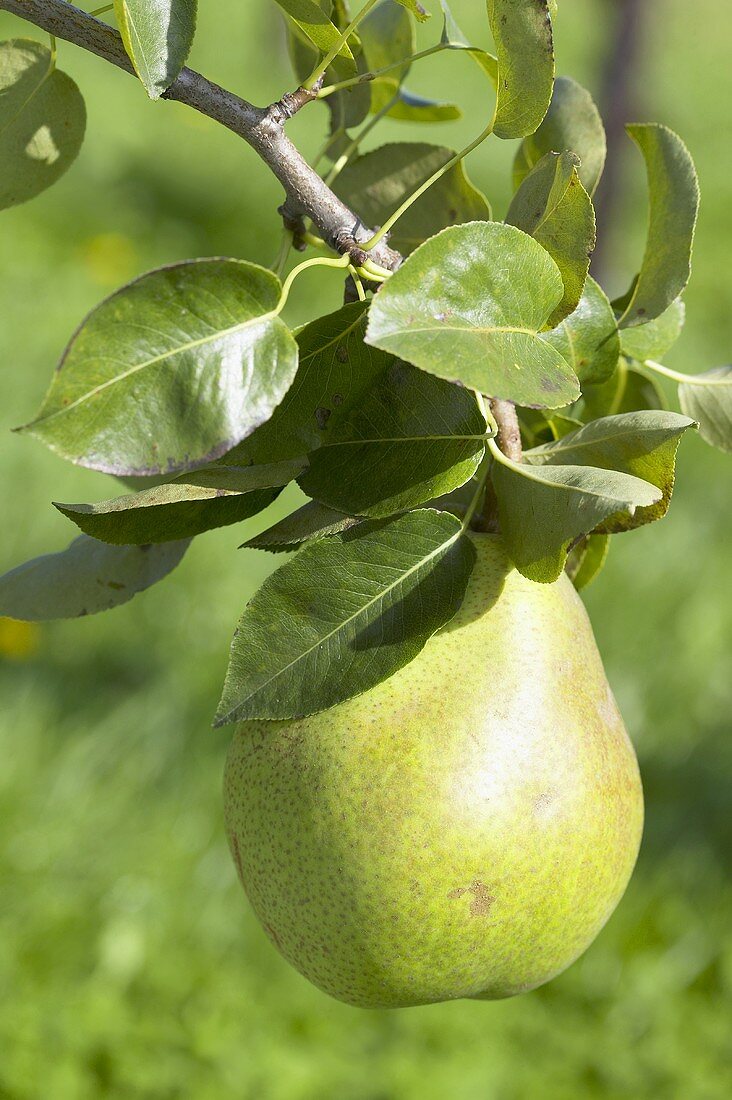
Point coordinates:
[[261, 127]]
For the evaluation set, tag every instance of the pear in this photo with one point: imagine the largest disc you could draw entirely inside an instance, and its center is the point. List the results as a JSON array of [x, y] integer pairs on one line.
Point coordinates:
[[464, 829]]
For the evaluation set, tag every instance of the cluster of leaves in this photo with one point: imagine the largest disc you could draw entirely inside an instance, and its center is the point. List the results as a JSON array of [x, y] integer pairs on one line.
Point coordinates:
[[189, 379]]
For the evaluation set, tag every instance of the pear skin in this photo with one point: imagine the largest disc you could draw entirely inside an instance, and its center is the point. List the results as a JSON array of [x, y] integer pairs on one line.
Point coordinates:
[[464, 829]]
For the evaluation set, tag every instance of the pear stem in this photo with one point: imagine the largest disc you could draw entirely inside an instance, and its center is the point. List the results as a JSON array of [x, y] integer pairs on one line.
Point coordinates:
[[509, 440], [509, 432]]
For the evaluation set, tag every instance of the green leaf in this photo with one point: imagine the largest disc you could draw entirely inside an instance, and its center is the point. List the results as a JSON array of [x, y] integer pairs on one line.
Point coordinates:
[[417, 10], [416, 108], [626, 391], [674, 205], [522, 32], [311, 522], [708, 399], [158, 35], [178, 510], [653, 340], [413, 438], [376, 184], [643, 444], [84, 579], [588, 338], [468, 306], [454, 39], [344, 614], [315, 25], [587, 559], [572, 123], [336, 370], [552, 206], [348, 107], [172, 371], [543, 510], [42, 121]]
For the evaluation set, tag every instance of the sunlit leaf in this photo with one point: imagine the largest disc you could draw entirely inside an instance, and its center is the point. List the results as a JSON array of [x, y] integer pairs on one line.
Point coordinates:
[[172, 371], [468, 306], [572, 123], [544, 509], [653, 340], [375, 184], [643, 444], [84, 579], [417, 10], [413, 438], [42, 121], [588, 338], [522, 32], [158, 35], [344, 614], [674, 204], [552, 206], [315, 25]]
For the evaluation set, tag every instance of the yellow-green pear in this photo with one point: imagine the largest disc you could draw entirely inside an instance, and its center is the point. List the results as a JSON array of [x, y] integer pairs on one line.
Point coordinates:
[[464, 829]]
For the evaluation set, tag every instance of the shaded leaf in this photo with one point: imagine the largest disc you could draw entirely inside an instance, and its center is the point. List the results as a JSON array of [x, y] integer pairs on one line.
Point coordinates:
[[708, 399], [158, 35], [653, 340], [313, 521], [552, 206], [178, 510], [336, 370], [674, 205], [643, 444], [411, 107], [42, 121], [572, 123], [376, 184], [587, 559], [344, 614], [588, 338], [543, 510], [414, 437], [172, 371], [522, 33], [468, 306], [626, 391], [85, 579]]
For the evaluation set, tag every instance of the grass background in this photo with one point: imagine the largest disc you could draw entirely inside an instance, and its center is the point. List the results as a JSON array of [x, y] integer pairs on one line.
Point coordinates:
[[130, 965]]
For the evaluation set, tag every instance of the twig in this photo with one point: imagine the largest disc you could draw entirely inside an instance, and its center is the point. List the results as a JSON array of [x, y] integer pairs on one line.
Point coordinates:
[[261, 127]]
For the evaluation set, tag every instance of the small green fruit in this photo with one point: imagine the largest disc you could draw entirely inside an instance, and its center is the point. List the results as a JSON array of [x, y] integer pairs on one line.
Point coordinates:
[[464, 829]]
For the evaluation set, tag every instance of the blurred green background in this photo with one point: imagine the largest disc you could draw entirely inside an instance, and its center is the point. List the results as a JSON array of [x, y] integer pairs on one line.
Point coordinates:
[[130, 965]]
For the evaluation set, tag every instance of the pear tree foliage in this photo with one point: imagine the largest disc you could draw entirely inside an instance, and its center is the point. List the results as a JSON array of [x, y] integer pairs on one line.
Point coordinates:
[[390, 410]]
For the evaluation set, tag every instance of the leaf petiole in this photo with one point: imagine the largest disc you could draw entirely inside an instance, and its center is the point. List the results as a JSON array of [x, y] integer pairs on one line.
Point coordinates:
[[317, 261], [337, 46], [377, 74], [683, 379]]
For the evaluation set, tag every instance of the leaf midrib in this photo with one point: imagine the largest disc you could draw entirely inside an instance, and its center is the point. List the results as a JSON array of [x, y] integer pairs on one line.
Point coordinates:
[[180, 350], [342, 625]]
